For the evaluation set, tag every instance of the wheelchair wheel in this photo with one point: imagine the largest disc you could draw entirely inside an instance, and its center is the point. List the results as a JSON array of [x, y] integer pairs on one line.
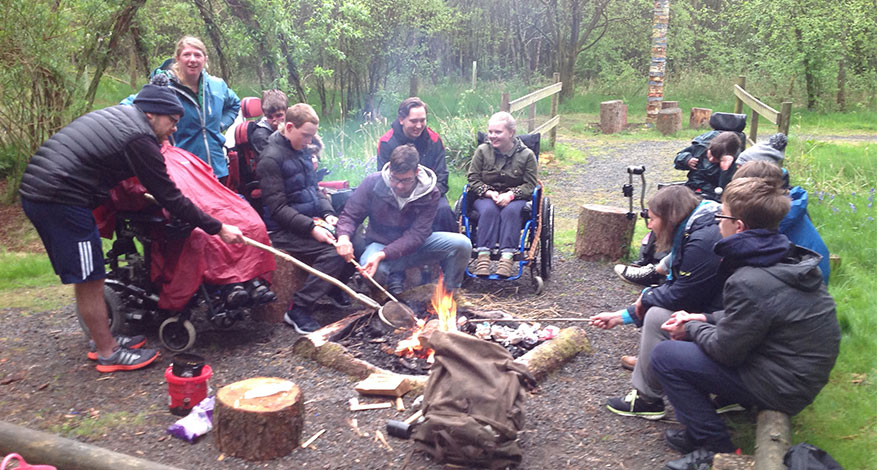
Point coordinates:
[[539, 284], [546, 239], [115, 316], [176, 334]]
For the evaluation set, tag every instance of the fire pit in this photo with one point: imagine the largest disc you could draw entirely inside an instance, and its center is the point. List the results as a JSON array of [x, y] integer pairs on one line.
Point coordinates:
[[364, 343]]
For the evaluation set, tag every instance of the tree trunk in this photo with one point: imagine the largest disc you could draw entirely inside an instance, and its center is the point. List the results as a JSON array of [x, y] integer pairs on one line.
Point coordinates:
[[291, 69], [215, 34], [120, 27], [841, 85], [603, 232]]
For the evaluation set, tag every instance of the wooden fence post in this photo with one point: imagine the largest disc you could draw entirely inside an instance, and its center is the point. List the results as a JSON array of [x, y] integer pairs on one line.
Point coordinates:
[[531, 117], [738, 103], [753, 129], [474, 72], [413, 85], [553, 135], [504, 105], [786, 119]]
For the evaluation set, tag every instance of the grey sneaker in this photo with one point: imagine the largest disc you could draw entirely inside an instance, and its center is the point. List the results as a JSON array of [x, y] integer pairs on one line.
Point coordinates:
[[130, 342], [127, 359], [639, 275]]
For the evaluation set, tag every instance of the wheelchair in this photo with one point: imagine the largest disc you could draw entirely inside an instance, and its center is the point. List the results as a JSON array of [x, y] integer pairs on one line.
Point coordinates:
[[131, 296], [536, 249]]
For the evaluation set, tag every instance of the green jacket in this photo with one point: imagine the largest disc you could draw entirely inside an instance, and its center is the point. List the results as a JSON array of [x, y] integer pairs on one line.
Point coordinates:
[[517, 171]]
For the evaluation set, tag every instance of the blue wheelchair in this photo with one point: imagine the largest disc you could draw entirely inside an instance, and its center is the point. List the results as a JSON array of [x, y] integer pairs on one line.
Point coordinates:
[[536, 248]]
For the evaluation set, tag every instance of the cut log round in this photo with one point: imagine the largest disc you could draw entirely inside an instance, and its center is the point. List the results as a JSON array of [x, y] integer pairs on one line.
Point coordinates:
[[700, 117], [254, 427], [284, 282], [669, 121], [613, 116], [604, 233], [733, 462], [669, 104]]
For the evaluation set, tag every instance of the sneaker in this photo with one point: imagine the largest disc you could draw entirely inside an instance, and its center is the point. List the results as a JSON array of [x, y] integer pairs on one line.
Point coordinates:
[[339, 298], [482, 265], [639, 275], [628, 362], [127, 359], [700, 459], [301, 320], [679, 441], [129, 342], [396, 283], [632, 405], [506, 267]]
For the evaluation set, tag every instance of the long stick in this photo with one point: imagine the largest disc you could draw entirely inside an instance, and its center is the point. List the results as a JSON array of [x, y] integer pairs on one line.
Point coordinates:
[[367, 276], [352, 293], [525, 320]]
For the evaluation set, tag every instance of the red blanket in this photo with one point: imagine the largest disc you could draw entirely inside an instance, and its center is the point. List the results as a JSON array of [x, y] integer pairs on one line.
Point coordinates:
[[179, 267]]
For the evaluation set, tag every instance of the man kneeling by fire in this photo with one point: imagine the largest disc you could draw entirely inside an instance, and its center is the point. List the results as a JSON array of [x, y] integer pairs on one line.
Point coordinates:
[[773, 345]]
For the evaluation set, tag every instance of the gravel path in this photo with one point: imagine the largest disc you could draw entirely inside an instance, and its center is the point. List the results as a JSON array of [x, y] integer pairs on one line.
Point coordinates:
[[47, 384]]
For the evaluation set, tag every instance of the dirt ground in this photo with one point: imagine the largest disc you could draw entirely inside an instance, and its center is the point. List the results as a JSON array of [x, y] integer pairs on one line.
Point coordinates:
[[46, 382]]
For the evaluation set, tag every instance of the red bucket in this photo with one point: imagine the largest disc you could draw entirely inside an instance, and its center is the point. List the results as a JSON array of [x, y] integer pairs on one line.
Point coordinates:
[[186, 392]]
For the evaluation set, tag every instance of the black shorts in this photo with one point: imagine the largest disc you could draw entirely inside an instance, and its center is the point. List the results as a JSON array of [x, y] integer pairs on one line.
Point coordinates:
[[70, 236]]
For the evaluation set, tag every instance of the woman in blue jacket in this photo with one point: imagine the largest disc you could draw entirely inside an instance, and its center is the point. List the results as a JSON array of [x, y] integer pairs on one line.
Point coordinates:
[[210, 105]]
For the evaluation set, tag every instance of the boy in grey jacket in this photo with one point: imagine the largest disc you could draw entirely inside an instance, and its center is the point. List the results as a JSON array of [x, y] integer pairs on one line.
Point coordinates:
[[773, 345]]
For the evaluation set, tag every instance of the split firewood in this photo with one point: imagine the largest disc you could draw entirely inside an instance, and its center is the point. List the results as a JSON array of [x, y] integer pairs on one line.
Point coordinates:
[[400, 404], [355, 425], [313, 438], [383, 384], [356, 406], [380, 437]]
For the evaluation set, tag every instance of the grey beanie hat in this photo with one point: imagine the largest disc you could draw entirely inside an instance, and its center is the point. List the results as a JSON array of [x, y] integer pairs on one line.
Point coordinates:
[[158, 98], [773, 151]]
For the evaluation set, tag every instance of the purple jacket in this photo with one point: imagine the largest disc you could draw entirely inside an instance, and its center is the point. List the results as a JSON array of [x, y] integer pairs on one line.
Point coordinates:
[[402, 231]]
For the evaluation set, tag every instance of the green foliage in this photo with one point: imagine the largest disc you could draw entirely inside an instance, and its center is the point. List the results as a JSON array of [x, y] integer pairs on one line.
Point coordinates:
[[840, 180], [25, 270]]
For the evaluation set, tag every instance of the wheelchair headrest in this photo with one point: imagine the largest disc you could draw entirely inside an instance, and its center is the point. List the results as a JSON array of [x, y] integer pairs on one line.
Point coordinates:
[[728, 122], [251, 107], [241, 135], [532, 141]]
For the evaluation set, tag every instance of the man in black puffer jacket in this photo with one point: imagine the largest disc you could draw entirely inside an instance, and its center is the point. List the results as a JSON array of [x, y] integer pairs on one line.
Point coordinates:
[[300, 221], [72, 173], [774, 344]]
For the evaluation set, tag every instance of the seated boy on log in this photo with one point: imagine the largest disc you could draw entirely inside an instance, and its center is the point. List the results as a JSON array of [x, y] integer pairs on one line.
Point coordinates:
[[773, 345]]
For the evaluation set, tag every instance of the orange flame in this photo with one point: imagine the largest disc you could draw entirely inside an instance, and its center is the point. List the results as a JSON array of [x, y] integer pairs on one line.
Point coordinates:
[[445, 307]]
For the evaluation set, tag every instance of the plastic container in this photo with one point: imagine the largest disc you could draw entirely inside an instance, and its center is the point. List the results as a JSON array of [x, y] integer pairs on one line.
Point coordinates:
[[186, 392], [187, 365]]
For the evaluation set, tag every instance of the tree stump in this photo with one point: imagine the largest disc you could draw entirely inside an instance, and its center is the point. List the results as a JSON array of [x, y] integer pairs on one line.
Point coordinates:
[[669, 104], [669, 121], [604, 233], [613, 116], [285, 281], [254, 424], [700, 117]]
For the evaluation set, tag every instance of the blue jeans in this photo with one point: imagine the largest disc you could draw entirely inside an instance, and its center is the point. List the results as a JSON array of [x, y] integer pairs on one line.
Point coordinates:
[[451, 250], [688, 376]]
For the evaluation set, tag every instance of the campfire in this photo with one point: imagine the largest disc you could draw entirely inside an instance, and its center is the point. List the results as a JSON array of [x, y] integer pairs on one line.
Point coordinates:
[[401, 349]]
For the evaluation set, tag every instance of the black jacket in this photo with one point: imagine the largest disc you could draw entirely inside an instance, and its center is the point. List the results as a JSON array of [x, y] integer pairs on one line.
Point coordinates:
[[289, 188], [707, 176], [84, 160], [429, 145], [779, 328], [696, 285]]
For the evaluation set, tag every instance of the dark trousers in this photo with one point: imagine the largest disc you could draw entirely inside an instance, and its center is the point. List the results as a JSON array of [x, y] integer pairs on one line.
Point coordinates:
[[499, 224], [445, 219], [321, 257], [687, 376]]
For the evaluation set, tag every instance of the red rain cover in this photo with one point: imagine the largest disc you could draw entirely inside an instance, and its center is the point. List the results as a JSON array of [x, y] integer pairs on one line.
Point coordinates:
[[179, 267]]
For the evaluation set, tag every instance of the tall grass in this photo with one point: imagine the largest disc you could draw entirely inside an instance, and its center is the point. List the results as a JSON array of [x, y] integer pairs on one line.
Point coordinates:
[[841, 180]]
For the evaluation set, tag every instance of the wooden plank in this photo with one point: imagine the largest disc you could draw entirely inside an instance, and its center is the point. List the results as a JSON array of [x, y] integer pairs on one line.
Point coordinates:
[[766, 111], [554, 100], [537, 95], [738, 105], [549, 124]]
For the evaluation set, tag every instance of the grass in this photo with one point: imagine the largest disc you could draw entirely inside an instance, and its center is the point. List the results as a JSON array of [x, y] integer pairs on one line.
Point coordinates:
[[93, 426]]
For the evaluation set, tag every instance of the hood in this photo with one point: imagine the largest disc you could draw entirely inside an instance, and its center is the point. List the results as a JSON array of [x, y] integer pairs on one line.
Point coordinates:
[[763, 152], [426, 181], [757, 247], [702, 215], [800, 269], [797, 211]]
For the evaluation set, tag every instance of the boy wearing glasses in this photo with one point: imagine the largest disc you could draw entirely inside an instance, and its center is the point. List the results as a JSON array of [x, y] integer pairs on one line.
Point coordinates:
[[773, 345], [400, 202]]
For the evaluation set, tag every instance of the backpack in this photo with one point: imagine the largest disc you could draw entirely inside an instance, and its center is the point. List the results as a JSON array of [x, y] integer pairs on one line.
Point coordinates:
[[472, 403], [806, 456]]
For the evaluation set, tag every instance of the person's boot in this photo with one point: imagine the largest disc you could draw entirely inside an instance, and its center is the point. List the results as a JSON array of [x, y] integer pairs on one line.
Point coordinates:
[[482, 265], [639, 275], [628, 362], [506, 267]]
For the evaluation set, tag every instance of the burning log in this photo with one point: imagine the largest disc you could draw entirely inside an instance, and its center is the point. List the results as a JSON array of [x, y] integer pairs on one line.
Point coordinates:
[[258, 419]]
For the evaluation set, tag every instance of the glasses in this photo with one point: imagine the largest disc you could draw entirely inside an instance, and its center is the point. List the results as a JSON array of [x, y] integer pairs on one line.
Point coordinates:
[[404, 181], [728, 217]]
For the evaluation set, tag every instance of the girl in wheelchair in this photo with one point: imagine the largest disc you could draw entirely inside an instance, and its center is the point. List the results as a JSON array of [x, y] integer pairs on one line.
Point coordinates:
[[502, 175]]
